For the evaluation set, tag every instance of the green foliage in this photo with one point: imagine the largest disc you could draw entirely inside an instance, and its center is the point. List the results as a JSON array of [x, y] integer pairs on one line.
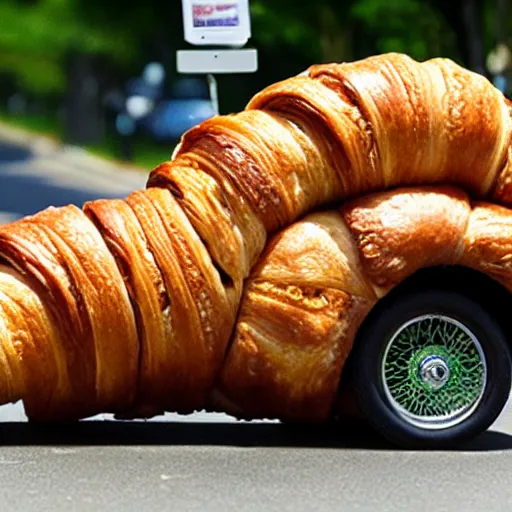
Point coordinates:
[[34, 73], [284, 22], [414, 27], [36, 38], [325, 29], [51, 26]]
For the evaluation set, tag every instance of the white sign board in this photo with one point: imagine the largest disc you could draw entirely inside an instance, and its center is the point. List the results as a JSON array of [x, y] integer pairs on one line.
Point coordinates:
[[217, 61], [216, 22]]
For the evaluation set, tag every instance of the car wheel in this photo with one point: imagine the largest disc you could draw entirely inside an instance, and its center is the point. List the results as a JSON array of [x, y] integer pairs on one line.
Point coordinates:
[[431, 368]]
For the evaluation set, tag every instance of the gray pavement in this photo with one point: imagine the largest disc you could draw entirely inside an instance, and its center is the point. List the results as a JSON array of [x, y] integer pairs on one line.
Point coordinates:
[[210, 462]]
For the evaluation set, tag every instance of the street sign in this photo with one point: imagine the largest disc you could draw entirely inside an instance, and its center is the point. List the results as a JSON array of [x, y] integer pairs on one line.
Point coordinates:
[[216, 22], [224, 24], [217, 61]]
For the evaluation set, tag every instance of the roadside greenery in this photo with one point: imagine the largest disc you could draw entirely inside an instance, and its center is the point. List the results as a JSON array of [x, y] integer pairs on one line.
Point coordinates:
[[38, 36], [147, 153], [40, 40]]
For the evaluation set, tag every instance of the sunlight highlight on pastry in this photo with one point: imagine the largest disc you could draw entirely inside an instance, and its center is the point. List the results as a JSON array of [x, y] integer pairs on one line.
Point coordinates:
[[237, 280]]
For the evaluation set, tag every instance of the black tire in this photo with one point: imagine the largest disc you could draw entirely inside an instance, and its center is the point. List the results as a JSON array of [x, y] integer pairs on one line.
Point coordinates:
[[377, 331]]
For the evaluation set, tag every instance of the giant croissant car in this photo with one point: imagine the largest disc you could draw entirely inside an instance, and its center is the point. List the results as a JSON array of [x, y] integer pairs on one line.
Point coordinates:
[[351, 225]]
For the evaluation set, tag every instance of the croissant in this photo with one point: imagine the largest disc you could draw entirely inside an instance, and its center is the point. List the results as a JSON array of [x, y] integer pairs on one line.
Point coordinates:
[[238, 279]]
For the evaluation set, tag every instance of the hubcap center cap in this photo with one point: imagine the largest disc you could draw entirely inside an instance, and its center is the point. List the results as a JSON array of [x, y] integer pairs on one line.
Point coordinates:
[[434, 372]]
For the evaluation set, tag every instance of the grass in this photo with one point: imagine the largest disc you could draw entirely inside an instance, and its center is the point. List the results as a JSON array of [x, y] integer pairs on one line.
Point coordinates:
[[147, 154], [36, 124]]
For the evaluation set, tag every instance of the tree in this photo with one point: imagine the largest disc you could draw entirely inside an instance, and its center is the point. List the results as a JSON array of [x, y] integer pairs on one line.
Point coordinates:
[[44, 42], [415, 27], [36, 37]]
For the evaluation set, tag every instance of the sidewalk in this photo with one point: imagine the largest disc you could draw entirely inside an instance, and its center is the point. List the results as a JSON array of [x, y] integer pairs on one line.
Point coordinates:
[[42, 146], [49, 173]]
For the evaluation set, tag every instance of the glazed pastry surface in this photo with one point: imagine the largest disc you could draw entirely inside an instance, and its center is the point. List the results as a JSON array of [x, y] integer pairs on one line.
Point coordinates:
[[237, 280]]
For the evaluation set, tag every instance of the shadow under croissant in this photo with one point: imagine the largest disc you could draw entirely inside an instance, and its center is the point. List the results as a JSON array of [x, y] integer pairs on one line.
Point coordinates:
[[356, 435]]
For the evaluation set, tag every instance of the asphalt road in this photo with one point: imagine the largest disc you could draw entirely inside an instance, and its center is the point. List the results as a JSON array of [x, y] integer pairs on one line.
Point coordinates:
[[209, 462]]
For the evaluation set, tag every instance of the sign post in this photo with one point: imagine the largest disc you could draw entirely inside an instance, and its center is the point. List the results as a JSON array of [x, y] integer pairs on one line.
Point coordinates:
[[225, 27]]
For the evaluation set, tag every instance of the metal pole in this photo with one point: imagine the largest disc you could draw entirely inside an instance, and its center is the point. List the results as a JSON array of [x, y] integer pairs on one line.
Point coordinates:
[[214, 95]]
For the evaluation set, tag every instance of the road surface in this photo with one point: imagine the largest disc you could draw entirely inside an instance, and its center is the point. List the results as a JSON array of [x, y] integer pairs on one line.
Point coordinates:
[[211, 463]]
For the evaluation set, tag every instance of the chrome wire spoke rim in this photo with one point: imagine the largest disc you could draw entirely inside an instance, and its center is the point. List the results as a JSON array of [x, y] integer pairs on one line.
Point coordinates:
[[434, 372]]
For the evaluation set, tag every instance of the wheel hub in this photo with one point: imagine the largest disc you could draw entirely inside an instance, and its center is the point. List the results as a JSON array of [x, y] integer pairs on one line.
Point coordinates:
[[434, 372]]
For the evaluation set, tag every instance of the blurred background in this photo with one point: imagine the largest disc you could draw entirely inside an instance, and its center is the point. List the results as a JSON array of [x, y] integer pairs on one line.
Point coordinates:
[[101, 74]]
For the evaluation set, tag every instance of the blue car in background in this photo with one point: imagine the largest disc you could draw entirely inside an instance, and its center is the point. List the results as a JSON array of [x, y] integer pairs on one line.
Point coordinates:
[[145, 106], [173, 117]]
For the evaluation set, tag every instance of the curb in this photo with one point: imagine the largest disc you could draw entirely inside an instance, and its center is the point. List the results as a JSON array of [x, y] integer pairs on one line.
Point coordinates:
[[34, 142], [80, 158]]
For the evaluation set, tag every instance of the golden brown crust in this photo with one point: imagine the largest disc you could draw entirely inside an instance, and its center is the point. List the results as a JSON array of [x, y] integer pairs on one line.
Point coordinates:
[[125, 239], [29, 356], [488, 242], [197, 316], [69, 264], [230, 230], [299, 315], [317, 252], [288, 351], [269, 160], [502, 191], [399, 232], [15, 335], [422, 121], [319, 112], [131, 307]]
